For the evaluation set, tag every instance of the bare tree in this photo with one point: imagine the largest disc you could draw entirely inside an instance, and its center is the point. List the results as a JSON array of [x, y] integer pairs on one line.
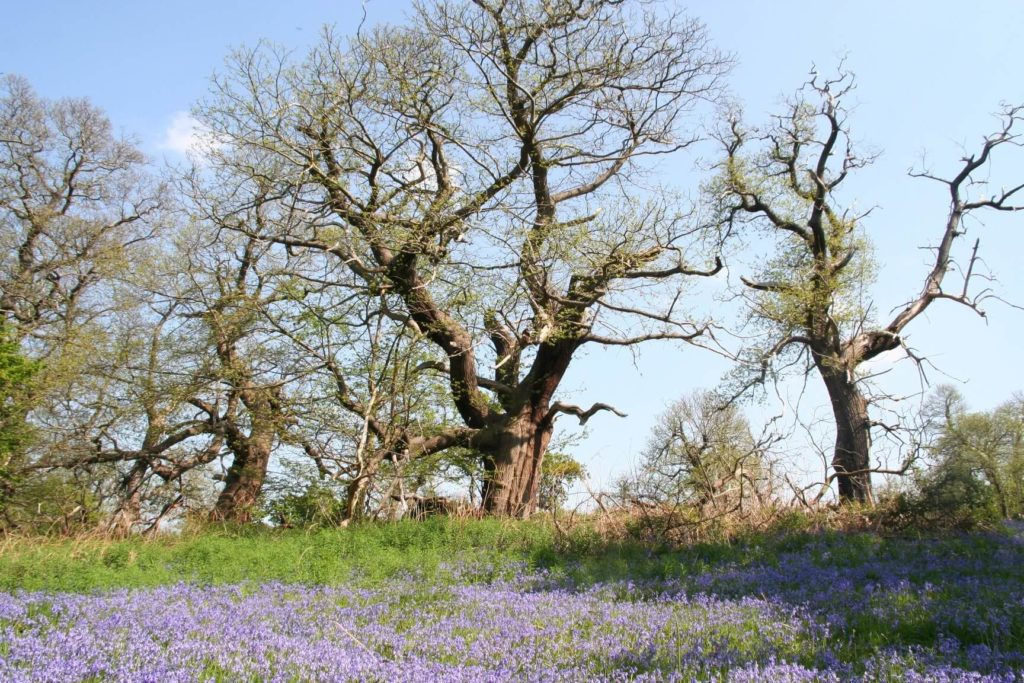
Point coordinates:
[[482, 169], [75, 205], [73, 197], [812, 295]]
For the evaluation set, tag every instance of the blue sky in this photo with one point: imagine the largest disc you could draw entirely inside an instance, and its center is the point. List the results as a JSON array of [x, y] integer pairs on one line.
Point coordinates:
[[929, 76]]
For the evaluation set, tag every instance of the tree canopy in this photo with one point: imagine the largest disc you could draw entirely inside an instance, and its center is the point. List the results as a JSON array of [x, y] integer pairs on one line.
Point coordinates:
[[376, 274]]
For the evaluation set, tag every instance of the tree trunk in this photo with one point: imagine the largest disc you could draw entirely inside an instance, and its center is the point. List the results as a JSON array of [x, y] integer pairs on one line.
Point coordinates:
[[995, 481], [852, 458], [357, 491], [513, 466], [129, 510], [244, 480]]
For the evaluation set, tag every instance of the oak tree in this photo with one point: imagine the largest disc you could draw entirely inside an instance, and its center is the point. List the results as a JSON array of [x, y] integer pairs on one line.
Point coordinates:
[[811, 295], [481, 168], [76, 202]]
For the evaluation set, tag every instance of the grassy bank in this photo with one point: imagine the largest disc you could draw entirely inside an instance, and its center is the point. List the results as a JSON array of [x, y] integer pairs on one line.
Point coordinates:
[[437, 549], [219, 555]]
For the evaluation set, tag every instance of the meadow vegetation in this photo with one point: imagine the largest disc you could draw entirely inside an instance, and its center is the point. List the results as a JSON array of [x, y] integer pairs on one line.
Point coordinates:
[[808, 598]]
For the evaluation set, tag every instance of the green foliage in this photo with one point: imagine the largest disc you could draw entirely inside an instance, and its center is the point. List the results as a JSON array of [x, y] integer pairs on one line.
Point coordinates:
[[16, 381], [976, 477], [701, 454], [318, 505], [17, 375], [953, 496], [809, 290], [559, 471], [50, 503], [298, 496], [805, 281]]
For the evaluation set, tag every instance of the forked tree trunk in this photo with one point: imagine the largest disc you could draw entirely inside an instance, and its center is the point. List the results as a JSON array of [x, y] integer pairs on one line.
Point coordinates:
[[514, 466], [244, 480], [852, 458]]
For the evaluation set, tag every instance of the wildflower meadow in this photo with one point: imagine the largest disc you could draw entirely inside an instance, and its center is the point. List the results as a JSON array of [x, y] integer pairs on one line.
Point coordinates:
[[806, 608]]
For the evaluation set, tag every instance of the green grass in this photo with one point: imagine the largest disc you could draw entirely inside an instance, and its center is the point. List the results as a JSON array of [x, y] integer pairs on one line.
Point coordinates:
[[373, 552], [365, 553], [215, 555]]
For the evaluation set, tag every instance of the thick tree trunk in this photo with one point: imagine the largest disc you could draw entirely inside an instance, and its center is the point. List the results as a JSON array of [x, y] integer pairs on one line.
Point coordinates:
[[514, 464], [357, 491], [129, 511], [852, 458], [244, 480]]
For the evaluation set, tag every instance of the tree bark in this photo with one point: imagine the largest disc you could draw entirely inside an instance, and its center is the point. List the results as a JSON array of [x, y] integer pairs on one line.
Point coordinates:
[[851, 459], [129, 510], [358, 489], [513, 466], [245, 477], [514, 447]]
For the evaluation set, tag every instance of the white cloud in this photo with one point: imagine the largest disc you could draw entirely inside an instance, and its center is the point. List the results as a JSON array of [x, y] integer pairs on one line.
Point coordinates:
[[187, 136]]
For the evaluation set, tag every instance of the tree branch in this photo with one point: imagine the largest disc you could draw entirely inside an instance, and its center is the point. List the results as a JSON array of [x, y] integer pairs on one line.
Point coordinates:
[[583, 415]]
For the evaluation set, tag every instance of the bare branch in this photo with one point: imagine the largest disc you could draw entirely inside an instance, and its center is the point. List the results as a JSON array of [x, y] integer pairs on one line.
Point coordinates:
[[583, 415]]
